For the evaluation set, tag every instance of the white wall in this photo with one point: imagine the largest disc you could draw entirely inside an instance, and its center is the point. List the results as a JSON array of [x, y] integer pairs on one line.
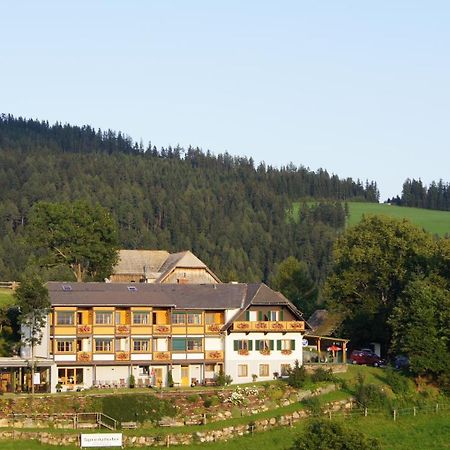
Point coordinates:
[[255, 358]]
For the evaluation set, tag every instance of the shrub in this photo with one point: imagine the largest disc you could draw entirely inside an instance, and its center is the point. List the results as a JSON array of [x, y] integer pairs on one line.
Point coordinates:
[[324, 435], [207, 402], [131, 381], [170, 378], [275, 394], [194, 398], [399, 383], [222, 379], [297, 375], [215, 400], [313, 406], [321, 374], [136, 407], [370, 395]]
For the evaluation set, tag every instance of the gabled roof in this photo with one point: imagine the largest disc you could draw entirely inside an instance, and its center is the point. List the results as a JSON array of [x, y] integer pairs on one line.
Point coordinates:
[[137, 261], [262, 295], [157, 264], [182, 260]]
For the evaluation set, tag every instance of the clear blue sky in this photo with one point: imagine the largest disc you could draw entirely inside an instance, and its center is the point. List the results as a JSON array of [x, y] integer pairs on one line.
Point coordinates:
[[359, 88]]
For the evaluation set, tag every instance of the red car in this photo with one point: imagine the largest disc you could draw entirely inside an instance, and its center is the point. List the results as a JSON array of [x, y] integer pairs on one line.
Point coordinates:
[[366, 356]]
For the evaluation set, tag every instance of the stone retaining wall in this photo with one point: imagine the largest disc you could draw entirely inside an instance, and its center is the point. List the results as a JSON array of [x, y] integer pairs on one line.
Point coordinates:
[[184, 439]]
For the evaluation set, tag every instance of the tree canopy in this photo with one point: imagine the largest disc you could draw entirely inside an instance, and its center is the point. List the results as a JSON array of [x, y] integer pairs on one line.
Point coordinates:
[[79, 235]]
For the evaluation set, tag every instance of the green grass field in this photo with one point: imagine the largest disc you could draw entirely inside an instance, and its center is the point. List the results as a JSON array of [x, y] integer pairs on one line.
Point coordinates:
[[436, 222], [6, 297]]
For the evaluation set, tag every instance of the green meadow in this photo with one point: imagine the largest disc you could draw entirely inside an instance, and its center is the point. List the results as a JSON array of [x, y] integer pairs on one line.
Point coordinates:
[[6, 297], [436, 222]]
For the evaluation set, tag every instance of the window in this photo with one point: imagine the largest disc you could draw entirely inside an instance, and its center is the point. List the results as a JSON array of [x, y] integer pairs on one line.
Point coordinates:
[[285, 370], [178, 318], [179, 344], [103, 345], [103, 318], [65, 318], [273, 315], [264, 345], [70, 376], [194, 345], [264, 370], [210, 367], [286, 344], [141, 345], [242, 344], [187, 344], [194, 319], [209, 318], [141, 318], [64, 346], [242, 370]]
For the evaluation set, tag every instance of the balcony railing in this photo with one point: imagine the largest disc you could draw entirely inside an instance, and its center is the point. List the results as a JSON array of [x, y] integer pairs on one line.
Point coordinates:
[[266, 326], [84, 356], [122, 329], [122, 356], [214, 355], [84, 329], [213, 328], [161, 356], [162, 329]]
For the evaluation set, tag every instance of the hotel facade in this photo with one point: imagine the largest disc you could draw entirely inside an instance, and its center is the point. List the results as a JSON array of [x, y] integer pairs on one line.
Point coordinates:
[[101, 334]]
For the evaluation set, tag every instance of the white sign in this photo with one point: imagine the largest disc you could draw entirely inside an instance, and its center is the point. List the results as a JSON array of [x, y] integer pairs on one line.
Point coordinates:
[[37, 378], [305, 342], [101, 440]]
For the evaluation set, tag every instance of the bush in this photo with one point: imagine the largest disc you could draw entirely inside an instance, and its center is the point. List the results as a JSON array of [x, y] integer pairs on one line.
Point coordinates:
[[370, 395], [136, 407], [297, 375], [313, 406], [170, 378], [321, 374], [194, 398], [325, 435], [131, 381], [399, 383], [222, 379], [275, 394]]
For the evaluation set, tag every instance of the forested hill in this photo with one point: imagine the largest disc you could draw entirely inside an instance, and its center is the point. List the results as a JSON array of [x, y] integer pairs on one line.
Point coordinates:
[[229, 212]]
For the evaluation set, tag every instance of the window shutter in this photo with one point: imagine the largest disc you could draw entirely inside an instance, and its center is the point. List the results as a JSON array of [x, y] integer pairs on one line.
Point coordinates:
[[250, 345], [278, 345], [281, 316], [293, 344], [247, 315], [260, 316], [257, 346], [236, 345], [271, 344]]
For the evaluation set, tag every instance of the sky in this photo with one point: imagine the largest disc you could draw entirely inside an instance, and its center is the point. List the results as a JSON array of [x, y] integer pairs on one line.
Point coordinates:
[[359, 88]]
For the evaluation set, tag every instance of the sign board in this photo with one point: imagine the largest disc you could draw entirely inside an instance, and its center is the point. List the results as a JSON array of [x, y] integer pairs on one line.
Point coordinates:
[[101, 440], [37, 378], [305, 342]]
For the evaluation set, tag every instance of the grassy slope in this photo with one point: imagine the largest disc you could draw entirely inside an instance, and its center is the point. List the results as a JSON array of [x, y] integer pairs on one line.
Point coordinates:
[[437, 222], [6, 297]]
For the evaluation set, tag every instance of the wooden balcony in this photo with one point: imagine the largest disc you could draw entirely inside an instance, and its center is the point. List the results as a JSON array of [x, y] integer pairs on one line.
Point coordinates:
[[161, 356], [215, 355], [122, 329], [162, 329], [84, 356], [122, 356], [84, 329], [267, 326], [213, 328]]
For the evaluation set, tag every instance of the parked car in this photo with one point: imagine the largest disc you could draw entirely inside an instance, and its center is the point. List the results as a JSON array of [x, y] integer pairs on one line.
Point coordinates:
[[366, 356], [401, 362]]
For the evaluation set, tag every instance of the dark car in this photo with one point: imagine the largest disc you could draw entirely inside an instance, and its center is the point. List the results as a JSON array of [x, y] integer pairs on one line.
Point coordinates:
[[401, 362], [366, 356]]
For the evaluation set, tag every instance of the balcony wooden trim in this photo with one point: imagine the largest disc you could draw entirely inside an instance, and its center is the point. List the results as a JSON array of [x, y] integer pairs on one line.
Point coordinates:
[[213, 328], [84, 329], [84, 356], [162, 329], [122, 355], [266, 326], [161, 356], [215, 355], [123, 329]]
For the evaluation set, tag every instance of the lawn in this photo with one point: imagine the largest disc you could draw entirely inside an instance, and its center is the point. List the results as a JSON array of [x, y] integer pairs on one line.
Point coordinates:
[[436, 222], [6, 297]]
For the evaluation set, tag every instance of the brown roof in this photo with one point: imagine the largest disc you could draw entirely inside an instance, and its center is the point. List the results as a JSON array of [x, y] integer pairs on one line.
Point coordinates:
[[324, 322]]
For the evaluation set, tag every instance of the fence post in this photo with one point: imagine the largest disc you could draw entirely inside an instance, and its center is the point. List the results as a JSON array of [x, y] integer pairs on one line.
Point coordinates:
[[395, 415], [415, 411], [365, 412], [437, 407], [329, 414]]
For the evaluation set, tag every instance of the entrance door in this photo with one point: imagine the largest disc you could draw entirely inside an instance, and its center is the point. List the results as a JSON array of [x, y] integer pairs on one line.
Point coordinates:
[[185, 376], [158, 376]]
